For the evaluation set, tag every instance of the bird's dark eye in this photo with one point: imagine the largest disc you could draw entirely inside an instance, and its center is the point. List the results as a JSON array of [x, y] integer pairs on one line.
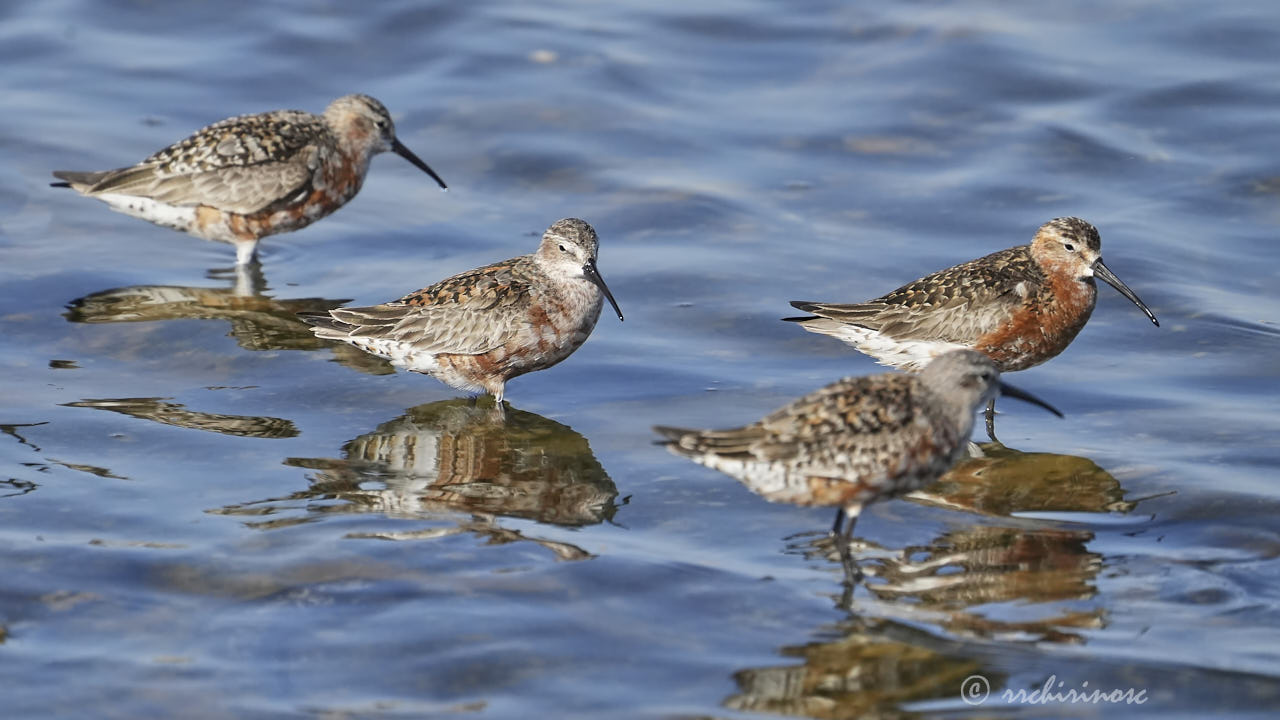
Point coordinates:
[[1069, 247], [562, 249]]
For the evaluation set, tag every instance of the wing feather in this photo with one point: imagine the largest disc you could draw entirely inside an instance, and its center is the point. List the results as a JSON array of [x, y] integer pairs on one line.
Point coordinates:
[[242, 164], [469, 314], [957, 305]]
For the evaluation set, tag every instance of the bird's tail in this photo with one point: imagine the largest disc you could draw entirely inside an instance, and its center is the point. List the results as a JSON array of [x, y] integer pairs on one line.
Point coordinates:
[[326, 326], [717, 442], [81, 181]]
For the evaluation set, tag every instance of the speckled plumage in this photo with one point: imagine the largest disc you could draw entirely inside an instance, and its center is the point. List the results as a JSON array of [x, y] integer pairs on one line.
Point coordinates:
[[478, 329], [1020, 306], [246, 177], [855, 441]]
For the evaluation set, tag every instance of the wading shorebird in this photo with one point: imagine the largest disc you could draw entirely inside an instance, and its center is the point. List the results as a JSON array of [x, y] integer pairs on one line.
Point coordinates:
[[478, 329], [246, 177], [856, 441], [1019, 306]]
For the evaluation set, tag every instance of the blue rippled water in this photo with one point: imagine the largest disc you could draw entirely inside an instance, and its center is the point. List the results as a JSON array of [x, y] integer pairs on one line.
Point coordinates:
[[204, 512]]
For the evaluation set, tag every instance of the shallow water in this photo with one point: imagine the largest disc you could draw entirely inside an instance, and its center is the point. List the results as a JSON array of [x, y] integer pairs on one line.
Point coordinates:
[[205, 512]]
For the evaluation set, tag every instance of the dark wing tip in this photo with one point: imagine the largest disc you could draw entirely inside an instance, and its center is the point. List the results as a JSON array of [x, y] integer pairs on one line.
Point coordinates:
[[71, 178], [670, 434], [805, 305], [319, 319]]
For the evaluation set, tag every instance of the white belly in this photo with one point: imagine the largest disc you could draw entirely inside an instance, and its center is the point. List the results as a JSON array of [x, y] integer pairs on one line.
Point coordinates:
[[178, 217], [907, 354]]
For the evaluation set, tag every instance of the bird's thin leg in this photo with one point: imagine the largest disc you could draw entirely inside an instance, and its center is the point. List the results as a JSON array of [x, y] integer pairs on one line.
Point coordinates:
[[835, 529], [244, 281], [853, 520], [246, 252], [250, 281], [852, 573], [846, 595], [991, 420]]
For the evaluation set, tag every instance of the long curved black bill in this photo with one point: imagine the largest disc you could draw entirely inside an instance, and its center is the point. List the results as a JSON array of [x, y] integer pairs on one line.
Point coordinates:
[[398, 148], [1010, 391], [1104, 272], [593, 274]]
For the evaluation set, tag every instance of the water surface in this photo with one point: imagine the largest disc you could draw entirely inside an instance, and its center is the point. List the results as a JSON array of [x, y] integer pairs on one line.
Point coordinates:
[[206, 512]]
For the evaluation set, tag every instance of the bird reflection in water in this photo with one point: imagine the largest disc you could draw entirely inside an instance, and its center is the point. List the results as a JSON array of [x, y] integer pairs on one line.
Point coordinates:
[[871, 669], [456, 456], [258, 320], [169, 413], [980, 566], [901, 645], [1005, 481], [1033, 563]]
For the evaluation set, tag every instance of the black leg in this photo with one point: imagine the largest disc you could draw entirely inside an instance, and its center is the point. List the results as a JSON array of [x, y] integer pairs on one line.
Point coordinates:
[[852, 573], [991, 420], [853, 520], [835, 529]]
